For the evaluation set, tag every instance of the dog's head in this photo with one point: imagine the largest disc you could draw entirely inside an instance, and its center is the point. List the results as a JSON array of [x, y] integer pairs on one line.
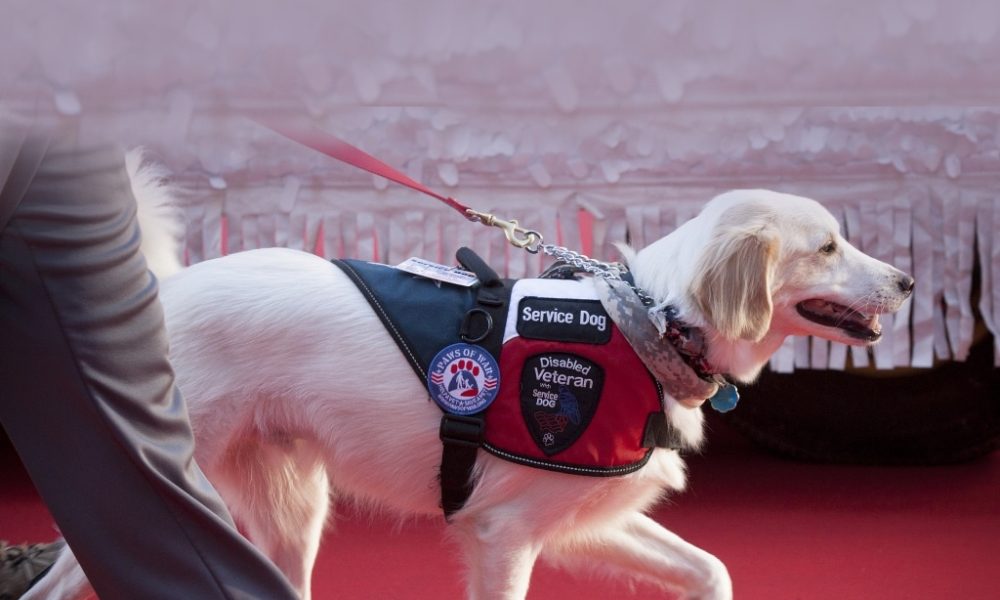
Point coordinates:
[[777, 263]]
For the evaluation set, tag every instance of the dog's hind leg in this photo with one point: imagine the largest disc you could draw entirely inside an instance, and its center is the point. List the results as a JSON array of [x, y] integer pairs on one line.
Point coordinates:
[[65, 580], [279, 494], [641, 548]]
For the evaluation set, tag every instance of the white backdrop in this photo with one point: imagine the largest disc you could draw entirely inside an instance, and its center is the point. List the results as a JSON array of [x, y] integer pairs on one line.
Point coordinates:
[[887, 111]]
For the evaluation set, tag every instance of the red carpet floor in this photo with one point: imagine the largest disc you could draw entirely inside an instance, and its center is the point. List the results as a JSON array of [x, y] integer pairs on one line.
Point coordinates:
[[785, 529]]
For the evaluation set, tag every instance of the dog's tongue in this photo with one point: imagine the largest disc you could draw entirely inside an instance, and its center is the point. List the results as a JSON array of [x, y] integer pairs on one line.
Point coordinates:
[[839, 311]]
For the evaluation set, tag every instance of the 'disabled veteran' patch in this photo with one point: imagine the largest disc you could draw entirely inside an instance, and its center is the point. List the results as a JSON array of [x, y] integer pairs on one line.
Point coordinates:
[[463, 379], [559, 396]]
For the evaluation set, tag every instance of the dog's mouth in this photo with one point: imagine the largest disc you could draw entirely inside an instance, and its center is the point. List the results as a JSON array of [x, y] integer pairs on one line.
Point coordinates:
[[830, 314]]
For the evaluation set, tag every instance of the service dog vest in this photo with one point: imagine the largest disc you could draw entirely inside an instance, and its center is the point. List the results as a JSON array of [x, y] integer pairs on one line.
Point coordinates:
[[573, 396]]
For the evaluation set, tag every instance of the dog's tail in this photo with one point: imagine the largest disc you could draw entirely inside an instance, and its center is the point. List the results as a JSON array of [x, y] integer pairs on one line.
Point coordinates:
[[628, 253], [159, 217]]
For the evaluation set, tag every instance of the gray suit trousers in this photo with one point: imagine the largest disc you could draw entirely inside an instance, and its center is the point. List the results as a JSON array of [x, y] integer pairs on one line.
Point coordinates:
[[86, 392]]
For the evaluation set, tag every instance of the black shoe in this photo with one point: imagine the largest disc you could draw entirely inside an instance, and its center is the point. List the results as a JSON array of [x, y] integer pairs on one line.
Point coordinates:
[[21, 566]]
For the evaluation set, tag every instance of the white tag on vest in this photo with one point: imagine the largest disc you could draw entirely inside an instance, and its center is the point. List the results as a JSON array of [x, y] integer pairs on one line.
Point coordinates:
[[437, 272]]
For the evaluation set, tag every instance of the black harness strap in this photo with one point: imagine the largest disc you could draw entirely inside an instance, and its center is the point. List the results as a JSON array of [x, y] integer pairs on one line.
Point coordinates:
[[462, 436]]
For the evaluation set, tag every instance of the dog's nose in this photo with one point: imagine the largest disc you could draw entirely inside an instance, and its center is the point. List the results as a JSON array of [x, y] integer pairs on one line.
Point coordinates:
[[906, 284]]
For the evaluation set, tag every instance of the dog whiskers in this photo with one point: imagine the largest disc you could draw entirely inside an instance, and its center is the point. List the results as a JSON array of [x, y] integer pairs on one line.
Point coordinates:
[[863, 301]]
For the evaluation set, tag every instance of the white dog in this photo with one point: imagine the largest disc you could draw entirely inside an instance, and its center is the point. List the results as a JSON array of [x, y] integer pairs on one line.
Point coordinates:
[[298, 397]]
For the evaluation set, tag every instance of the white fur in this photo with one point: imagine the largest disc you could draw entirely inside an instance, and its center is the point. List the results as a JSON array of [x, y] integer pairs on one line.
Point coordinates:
[[299, 397], [157, 214]]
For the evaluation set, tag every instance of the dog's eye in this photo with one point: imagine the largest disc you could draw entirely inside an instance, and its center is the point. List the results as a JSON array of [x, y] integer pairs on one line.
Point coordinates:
[[829, 248]]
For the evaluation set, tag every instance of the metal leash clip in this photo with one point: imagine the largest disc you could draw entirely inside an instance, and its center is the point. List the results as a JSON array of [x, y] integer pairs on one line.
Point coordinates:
[[518, 236]]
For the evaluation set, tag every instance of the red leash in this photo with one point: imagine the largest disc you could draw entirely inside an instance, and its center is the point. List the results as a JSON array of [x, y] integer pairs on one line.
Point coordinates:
[[337, 148]]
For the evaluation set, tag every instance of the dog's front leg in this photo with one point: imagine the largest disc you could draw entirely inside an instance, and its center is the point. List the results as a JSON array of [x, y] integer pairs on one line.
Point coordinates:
[[498, 556], [640, 547]]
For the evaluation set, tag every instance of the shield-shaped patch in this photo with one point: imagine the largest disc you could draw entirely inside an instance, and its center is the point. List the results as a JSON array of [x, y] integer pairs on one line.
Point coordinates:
[[559, 396]]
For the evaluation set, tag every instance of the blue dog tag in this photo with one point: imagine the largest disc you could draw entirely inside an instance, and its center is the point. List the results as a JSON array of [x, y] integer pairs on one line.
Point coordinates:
[[726, 398]]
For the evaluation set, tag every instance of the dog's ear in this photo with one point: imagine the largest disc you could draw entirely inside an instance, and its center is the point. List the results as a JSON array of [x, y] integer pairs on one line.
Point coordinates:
[[733, 289]]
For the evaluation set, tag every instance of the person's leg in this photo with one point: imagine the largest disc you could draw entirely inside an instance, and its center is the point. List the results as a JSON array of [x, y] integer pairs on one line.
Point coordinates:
[[87, 395]]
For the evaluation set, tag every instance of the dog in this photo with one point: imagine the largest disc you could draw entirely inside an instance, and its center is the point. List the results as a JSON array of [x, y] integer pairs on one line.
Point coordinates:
[[299, 398]]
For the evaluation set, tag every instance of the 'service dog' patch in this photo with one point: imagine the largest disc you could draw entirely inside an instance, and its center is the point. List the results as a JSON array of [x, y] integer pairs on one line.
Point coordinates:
[[564, 320], [559, 396], [463, 379]]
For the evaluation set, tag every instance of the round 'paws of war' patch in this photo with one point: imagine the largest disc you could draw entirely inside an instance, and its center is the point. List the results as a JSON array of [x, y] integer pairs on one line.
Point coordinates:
[[463, 379], [559, 395]]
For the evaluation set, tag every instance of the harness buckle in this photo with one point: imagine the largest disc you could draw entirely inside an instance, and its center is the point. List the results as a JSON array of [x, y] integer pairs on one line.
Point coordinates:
[[462, 430]]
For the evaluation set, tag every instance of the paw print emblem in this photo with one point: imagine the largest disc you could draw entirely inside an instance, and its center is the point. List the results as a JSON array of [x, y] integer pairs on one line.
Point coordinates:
[[463, 381], [548, 439]]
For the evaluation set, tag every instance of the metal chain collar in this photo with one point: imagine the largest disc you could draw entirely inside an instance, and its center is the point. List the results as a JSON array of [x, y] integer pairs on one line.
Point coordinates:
[[593, 266], [605, 270], [531, 241]]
